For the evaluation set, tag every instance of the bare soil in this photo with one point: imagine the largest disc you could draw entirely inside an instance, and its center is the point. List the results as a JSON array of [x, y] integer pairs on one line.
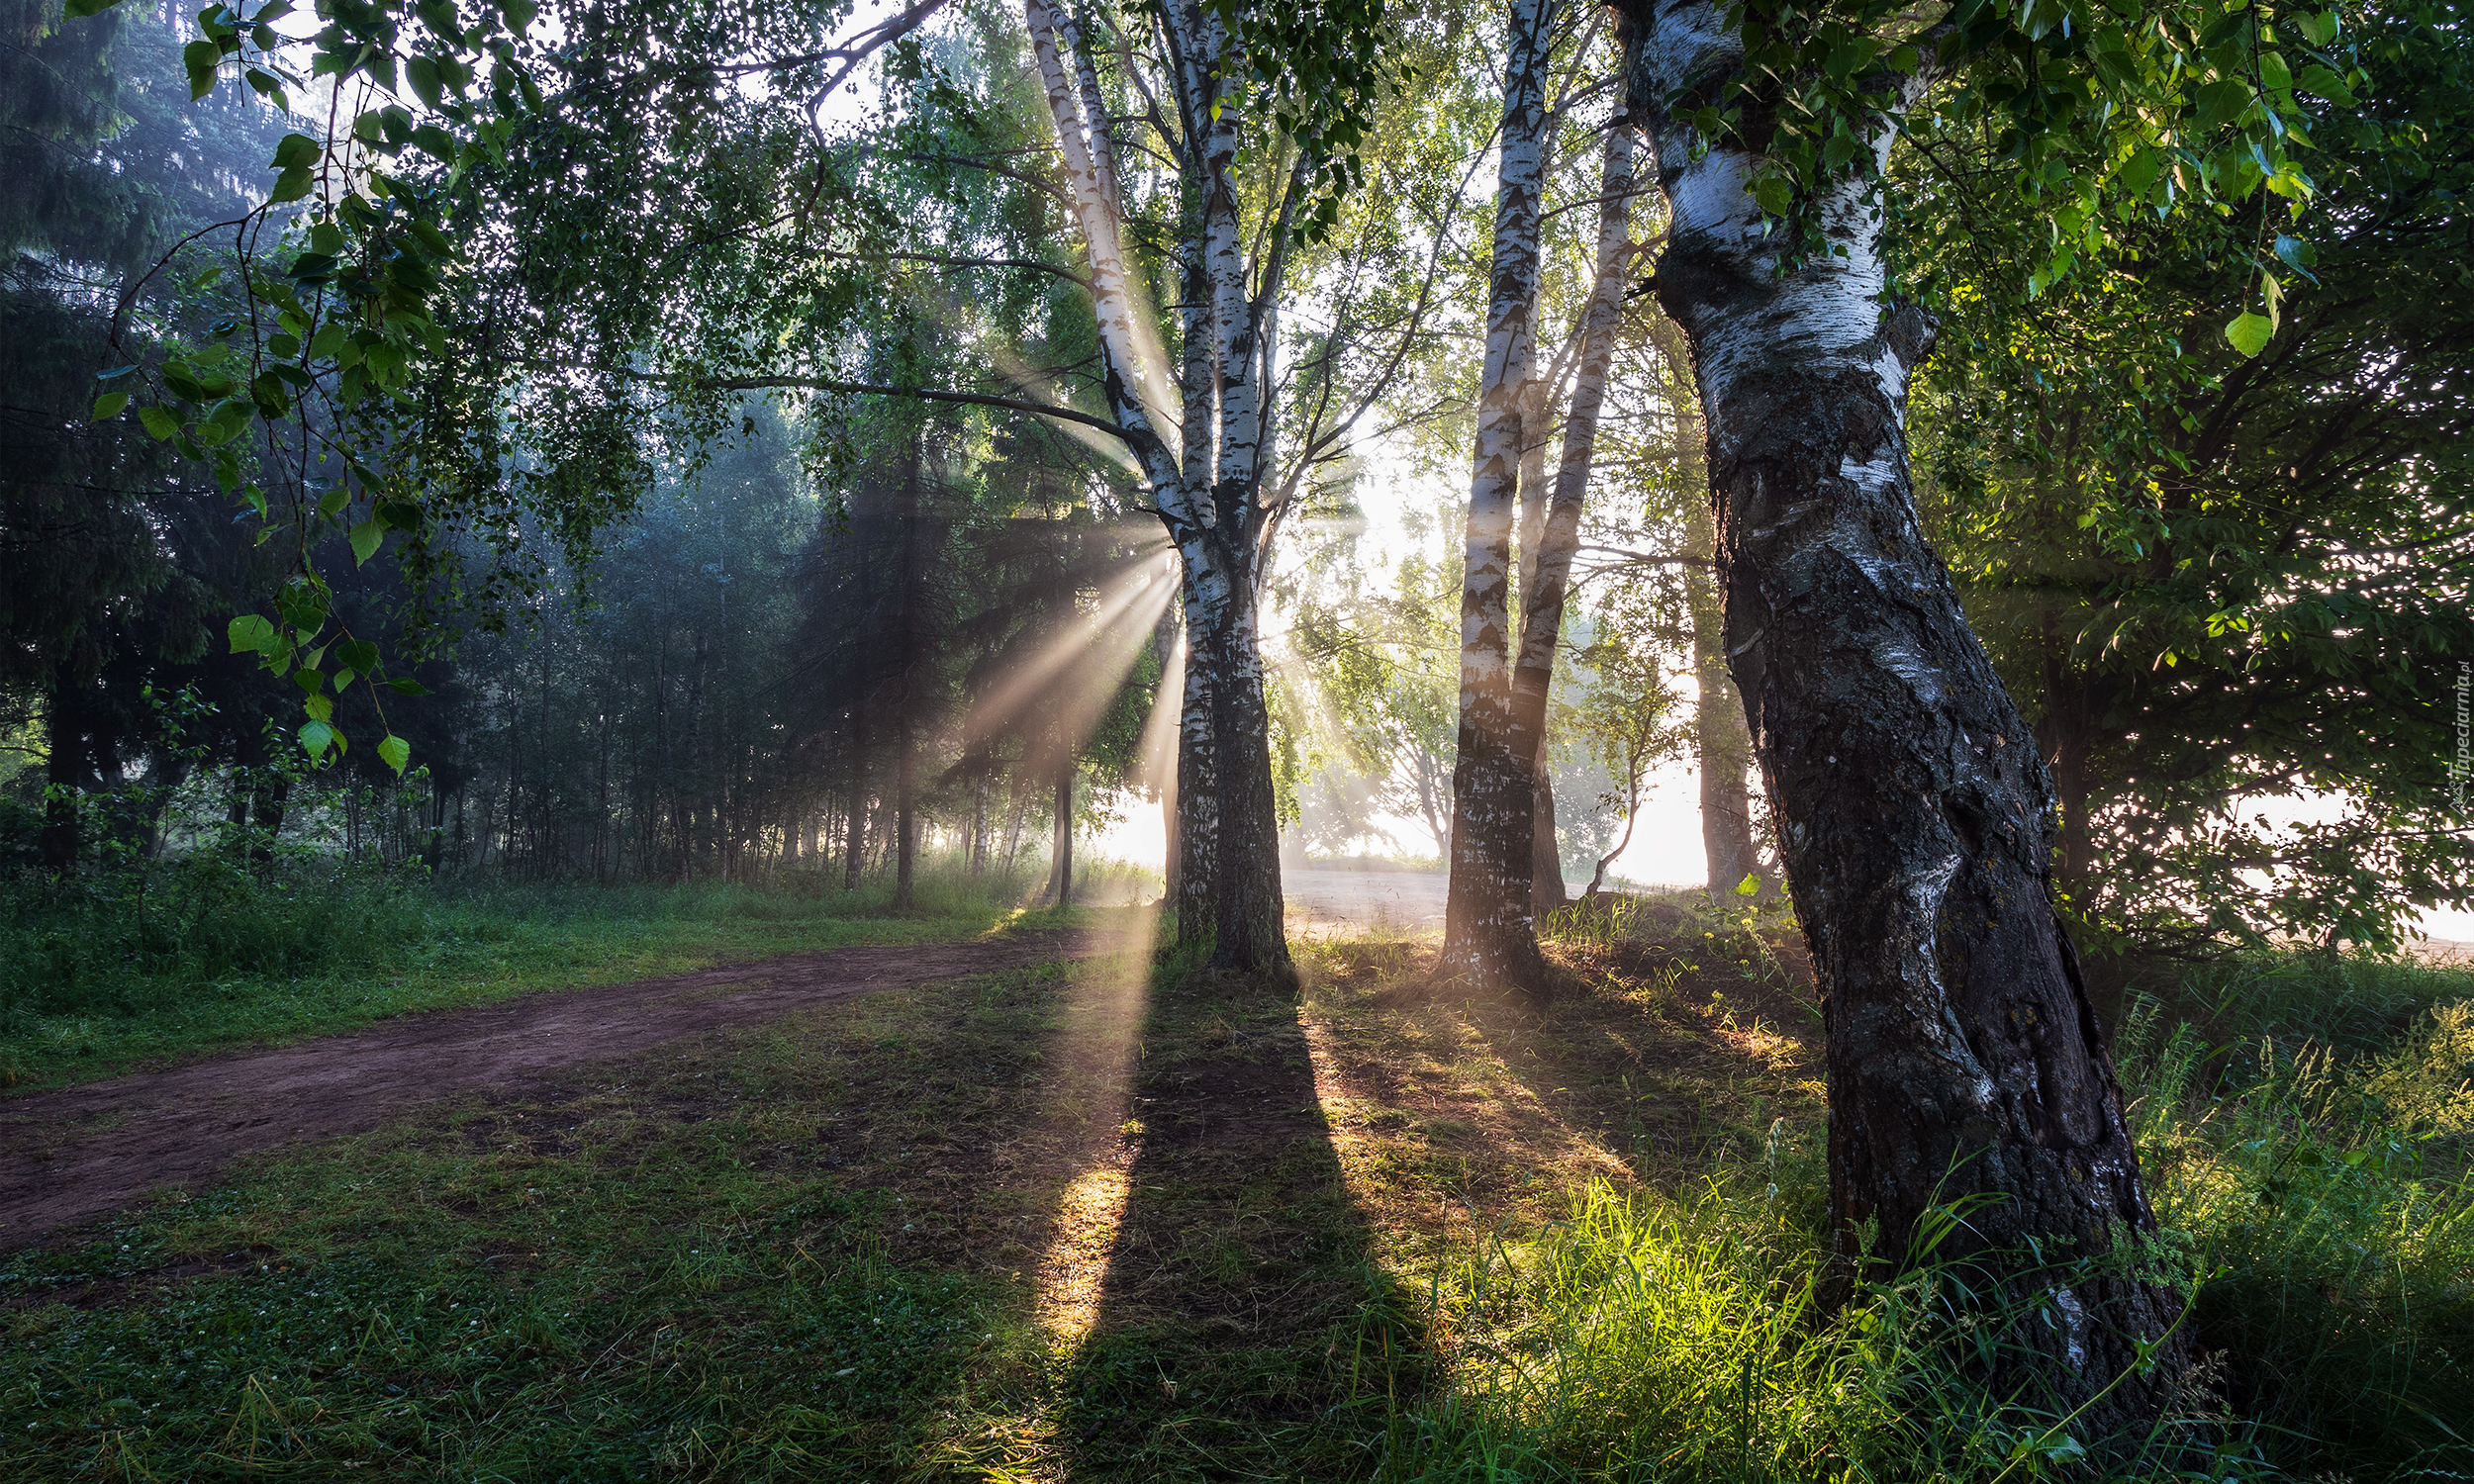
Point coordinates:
[[71, 1156]]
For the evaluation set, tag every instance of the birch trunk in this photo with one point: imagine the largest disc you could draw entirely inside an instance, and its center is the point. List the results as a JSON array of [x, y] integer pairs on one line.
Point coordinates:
[[1488, 935], [1549, 576], [1965, 1057], [1208, 488], [1196, 898]]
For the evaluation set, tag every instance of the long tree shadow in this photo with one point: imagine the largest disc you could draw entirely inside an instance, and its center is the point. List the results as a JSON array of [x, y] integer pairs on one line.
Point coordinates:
[[1240, 1327]]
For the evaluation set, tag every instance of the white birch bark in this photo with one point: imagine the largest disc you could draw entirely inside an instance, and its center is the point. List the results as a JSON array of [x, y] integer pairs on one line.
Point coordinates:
[[1487, 927], [1206, 489]]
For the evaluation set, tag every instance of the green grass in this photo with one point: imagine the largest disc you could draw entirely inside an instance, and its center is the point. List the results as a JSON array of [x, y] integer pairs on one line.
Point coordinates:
[[96, 974], [2320, 1192], [1055, 1223], [1125, 1220]]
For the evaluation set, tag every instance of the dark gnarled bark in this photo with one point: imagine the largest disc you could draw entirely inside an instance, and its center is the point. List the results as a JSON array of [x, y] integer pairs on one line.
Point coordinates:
[[1965, 1059]]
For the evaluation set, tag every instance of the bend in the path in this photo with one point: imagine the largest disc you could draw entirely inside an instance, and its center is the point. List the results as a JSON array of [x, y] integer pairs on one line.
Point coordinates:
[[71, 1156]]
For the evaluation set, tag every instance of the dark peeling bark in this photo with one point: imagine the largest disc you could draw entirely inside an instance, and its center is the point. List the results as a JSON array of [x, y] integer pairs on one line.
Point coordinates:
[[1917, 831], [1196, 894], [1245, 866]]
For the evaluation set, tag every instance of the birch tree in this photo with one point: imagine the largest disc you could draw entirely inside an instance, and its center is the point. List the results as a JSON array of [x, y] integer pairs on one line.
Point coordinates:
[[1505, 864], [1487, 933], [1965, 1060]]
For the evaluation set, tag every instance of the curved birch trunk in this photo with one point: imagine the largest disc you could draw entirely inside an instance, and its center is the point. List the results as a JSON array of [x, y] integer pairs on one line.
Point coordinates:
[[1488, 932], [1965, 1059]]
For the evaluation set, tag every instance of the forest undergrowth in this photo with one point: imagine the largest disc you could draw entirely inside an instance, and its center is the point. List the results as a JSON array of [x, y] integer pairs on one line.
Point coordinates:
[[106, 968], [1126, 1219]]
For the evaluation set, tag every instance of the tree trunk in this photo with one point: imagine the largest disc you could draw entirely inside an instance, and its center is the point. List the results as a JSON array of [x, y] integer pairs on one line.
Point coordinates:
[[1213, 507], [64, 778], [1061, 839], [1488, 933], [1965, 1059], [1197, 798], [1547, 579], [979, 825], [906, 688], [1245, 857], [855, 823], [1547, 890], [906, 816]]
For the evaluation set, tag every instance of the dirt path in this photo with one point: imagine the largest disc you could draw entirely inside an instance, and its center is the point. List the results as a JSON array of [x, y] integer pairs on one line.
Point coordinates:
[[71, 1156]]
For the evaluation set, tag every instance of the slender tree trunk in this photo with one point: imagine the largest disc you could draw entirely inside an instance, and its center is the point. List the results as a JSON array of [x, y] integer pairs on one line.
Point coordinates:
[[909, 619], [1965, 1057], [855, 822], [979, 825], [2067, 736], [1726, 747], [1546, 857], [1488, 933], [1060, 838], [1548, 578], [1014, 826], [64, 776]]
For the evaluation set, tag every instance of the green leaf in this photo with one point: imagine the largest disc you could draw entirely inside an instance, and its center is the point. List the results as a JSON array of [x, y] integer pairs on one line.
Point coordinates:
[[295, 149], [360, 654], [267, 391], [1750, 886], [2318, 79], [319, 707], [77, 9], [291, 185], [395, 752], [365, 539], [2250, 333], [2221, 103], [326, 343], [2273, 71], [1774, 194], [318, 736], [109, 405], [2297, 254], [200, 60], [423, 73], [402, 686], [249, 633], [2318, 30], [160, 424]]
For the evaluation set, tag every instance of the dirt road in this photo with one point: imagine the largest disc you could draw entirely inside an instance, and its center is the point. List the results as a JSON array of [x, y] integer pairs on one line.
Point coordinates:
[[69, 1155]]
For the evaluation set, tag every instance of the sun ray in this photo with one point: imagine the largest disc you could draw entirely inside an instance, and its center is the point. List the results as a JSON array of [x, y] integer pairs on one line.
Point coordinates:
[[1090, 659]]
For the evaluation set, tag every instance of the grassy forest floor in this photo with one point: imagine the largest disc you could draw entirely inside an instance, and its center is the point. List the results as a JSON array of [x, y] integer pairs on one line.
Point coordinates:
[[1122, 1219], [99, 976]]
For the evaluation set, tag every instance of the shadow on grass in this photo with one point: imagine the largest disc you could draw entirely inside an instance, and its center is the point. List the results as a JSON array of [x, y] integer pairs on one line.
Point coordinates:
[[1242, 1326]]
